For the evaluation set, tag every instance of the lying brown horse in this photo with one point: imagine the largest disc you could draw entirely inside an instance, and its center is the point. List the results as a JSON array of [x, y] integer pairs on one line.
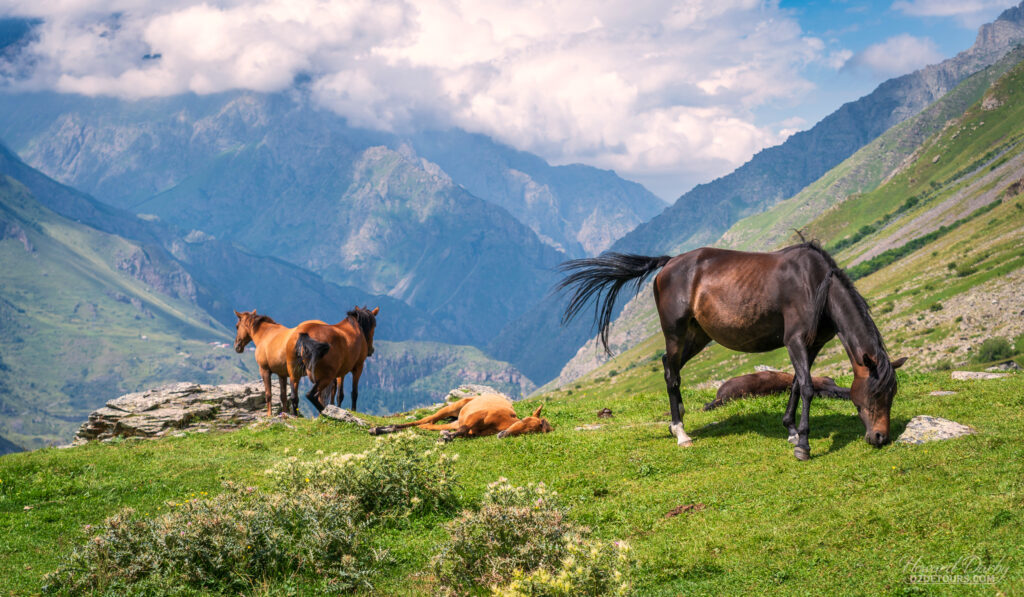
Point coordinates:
[[768, 383], [330, 352], [751, 302], [485, 414], [275, 354]]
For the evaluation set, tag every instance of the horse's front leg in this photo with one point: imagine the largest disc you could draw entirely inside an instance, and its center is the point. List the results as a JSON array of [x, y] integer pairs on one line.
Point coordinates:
[[268, 388], [802, 384]]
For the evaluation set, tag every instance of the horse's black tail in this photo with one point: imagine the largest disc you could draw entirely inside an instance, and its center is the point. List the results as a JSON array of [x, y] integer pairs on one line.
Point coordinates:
[[309, 351], [602, 278]]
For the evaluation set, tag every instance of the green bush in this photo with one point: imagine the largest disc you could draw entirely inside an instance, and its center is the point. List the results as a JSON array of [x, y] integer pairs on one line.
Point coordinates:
[[229, 543], [515, 528], [994, 349], [935, 306], [400, 475], [588, 568]]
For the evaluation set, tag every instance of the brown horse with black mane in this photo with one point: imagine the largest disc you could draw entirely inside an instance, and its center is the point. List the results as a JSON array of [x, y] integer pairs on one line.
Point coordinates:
[[330, 352], [750, 302], [275, 354]]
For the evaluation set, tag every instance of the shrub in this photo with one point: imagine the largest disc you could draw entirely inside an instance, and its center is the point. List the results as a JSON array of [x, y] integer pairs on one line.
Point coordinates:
[[228, 543], [588, 568], [936, 306], [401, 474], [994, 349], [944, 365], [515, 528]]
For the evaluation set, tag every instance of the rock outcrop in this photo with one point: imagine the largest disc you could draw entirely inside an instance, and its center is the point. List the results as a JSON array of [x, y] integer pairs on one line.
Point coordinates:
[[923, 428], [156, 412]]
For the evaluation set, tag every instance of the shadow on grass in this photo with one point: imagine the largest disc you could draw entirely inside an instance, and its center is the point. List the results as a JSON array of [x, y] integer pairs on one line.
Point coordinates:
[[842, 429]]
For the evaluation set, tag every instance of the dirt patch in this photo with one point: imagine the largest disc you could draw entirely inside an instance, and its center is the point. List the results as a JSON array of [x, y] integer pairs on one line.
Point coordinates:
[[684, 508]]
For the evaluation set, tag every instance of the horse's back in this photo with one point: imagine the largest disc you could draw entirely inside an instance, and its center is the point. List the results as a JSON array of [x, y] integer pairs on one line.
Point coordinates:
[[487, 403]]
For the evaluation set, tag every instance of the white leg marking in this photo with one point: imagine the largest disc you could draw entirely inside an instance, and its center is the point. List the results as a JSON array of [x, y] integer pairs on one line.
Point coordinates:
[[683, 440], [793, 439]]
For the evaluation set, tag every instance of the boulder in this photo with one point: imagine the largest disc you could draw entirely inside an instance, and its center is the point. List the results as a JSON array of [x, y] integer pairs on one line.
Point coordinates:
[[924, 428], [156, 412], [969, 375], [340, 414], [471, 389]]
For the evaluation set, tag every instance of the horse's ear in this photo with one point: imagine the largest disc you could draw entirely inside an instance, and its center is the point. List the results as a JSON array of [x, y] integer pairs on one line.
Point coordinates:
[[536, 413], [375, 311], [899, 362], [237, 314]]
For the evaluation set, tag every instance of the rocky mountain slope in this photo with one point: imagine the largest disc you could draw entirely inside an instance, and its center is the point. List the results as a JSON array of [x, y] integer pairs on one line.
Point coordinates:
[[935, 249], [87, 314], [281, 177], [701, 216]]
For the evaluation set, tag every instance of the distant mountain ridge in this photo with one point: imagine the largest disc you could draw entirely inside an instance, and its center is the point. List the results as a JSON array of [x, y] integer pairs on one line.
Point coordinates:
[[704, 214], [701, 215], [281, 177]]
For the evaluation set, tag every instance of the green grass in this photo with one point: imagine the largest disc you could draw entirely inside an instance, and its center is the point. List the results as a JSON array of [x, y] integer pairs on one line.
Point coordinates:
[[843, 523]]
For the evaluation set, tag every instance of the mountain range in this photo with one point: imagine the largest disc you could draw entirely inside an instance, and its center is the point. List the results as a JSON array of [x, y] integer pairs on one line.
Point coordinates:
[[702, 215]]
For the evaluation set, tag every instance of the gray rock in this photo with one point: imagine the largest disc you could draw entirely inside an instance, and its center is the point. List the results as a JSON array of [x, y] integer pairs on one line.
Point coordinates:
[[969, 375], [471, 389], [169, 409], [924, 428], [1004, 366], [340, 414], [941, 393]]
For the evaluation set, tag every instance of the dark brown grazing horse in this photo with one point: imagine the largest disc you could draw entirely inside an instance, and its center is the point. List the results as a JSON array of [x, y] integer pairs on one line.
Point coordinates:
[[768, 383], [750, 302], [330, 352]]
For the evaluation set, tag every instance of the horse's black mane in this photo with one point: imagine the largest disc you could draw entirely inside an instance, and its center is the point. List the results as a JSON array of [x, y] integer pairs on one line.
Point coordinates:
[[364, 318], [885, 375]]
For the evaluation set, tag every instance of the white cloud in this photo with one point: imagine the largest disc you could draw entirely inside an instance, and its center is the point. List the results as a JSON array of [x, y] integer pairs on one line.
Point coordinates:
[[897, 55], [649, 87], [969, 13]]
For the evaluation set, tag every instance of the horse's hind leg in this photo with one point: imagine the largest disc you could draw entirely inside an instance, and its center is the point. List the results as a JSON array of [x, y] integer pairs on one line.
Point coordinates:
[[679, 350]]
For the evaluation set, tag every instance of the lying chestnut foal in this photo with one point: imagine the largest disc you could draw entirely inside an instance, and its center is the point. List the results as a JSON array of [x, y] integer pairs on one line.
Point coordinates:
[[485, 414]]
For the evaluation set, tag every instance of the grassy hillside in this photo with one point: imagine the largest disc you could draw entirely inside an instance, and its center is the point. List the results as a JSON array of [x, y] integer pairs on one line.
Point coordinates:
[[844, 523], [935, 249], [78, 328]]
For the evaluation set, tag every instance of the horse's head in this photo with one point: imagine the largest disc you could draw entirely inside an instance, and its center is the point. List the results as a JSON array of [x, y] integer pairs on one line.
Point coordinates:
[[530, 424], [872, 391], [243, 329]]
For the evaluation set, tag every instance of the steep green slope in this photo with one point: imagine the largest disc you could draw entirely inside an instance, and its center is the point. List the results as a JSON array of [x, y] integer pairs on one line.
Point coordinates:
[[849, 521], [79, 328], [936, 248], [864, 170]]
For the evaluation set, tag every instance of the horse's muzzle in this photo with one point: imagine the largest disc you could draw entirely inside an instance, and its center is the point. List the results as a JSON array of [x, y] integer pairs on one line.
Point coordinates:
[[239, 349], [877, 438]]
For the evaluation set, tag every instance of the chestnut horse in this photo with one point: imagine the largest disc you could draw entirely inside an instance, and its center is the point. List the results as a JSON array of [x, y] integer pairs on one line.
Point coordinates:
[[486, 414], [750, 302], [329, 352], [275, 349]]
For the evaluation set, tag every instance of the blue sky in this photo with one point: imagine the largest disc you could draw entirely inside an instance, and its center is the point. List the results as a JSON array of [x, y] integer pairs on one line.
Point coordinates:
[[670, 93]]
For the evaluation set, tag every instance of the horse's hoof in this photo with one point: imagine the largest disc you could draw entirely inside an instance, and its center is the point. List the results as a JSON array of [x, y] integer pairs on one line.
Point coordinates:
[[447, 436], [793, 439], [801, 453], [686, 444]]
